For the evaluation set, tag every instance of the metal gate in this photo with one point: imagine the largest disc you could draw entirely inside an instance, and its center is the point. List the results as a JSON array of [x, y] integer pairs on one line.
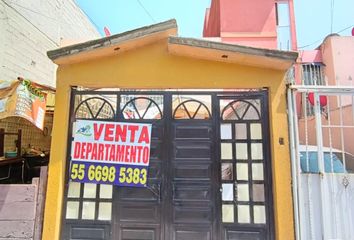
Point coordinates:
[[209, 174], [321, 132]]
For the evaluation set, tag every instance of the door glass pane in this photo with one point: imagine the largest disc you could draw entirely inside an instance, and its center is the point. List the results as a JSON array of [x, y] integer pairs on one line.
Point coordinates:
[[257, 171], [88, 210], [226, 151], [257, 151], [72, 210], [142, 106], [240, 131], [226, 171], [191, 106], [228, 213], [226, 131], [242, 192], [243, 213], [253, 112], [242, 171], [104, 211], [106, 191], [227, 192], [259, 214], [90, 190], [241, 151], [74, 190], [258, 192], [256, 131]]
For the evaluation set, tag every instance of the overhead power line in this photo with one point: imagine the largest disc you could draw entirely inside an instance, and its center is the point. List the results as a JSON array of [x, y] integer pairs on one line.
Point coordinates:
[[57, 20], [30, 22], [323, 38], [146, 11], [91, 20]]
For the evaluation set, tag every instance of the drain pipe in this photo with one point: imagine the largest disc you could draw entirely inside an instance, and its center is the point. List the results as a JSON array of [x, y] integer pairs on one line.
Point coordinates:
[[292, 118]]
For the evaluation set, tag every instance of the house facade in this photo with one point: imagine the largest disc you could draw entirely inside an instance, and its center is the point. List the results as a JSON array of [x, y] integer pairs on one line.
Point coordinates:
[[220, 163]]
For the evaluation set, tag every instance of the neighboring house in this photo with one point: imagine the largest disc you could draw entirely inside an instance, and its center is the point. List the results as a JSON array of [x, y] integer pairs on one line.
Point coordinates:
[[327, 70], [28, 29], [331, 64], [258, 23]]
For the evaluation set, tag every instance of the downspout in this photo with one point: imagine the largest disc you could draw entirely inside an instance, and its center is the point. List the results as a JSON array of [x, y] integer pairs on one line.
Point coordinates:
[[292, 118]]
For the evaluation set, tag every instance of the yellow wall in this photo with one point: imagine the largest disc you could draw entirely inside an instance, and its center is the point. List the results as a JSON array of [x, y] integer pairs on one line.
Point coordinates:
[[153, 67]]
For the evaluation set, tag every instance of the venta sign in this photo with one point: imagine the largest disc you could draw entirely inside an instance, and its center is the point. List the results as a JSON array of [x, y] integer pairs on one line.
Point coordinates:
[[115, 153]]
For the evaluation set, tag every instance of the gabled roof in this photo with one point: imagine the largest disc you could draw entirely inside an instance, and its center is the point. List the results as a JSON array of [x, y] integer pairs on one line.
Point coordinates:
[[188, 47]]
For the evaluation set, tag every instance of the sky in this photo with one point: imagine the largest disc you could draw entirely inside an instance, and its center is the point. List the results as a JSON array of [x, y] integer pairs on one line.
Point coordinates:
[[313, 17]]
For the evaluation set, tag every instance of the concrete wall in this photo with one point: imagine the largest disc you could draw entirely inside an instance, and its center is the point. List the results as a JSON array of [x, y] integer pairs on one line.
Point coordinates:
[[338, 57], [17, 211], [21, 209], [29, 28]]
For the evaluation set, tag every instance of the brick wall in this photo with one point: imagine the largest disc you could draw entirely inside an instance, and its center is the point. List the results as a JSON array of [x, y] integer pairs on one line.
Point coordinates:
[[31, 136]]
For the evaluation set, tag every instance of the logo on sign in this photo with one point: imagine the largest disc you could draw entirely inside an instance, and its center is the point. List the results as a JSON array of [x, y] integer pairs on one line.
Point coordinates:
[[85, 131]]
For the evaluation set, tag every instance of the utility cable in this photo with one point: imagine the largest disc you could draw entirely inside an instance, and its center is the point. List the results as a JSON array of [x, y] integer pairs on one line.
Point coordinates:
[[91, 20], [323, 38], [28, 9], [14, 9], [146, 11], [56, 19]]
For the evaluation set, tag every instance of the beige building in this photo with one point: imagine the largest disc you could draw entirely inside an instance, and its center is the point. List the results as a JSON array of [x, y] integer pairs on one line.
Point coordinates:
[[29, 28]]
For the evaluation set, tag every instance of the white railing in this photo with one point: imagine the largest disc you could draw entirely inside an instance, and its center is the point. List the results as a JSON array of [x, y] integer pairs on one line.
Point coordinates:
[[322, 152]]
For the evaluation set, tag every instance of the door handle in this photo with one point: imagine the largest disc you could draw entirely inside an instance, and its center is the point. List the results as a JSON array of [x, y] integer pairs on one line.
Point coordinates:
[[160, 195], [235, 192]]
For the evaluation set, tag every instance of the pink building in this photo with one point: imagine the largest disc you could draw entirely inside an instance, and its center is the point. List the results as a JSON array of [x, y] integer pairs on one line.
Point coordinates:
[[325, 131], [332, 65], [271, 24], [256, 23]]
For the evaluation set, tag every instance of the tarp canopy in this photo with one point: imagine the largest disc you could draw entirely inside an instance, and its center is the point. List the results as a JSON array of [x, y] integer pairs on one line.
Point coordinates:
[[23, 99]]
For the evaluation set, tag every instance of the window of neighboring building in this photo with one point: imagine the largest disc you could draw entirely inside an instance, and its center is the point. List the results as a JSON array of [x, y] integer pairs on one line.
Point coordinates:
[[283, 25], [312, 74]]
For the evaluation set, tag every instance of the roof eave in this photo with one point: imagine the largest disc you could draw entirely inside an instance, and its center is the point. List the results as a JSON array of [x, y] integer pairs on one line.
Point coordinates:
[[216, 51], [109, 45]]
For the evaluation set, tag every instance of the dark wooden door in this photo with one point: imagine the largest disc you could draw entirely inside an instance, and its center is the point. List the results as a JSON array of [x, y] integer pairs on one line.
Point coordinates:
[[209, 174], [192, 195]]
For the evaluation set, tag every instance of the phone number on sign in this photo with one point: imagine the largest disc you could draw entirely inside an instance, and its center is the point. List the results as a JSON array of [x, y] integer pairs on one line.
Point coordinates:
[[108, 174]]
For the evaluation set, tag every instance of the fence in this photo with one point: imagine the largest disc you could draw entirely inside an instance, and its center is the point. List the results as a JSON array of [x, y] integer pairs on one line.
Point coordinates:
[[322, 152]]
